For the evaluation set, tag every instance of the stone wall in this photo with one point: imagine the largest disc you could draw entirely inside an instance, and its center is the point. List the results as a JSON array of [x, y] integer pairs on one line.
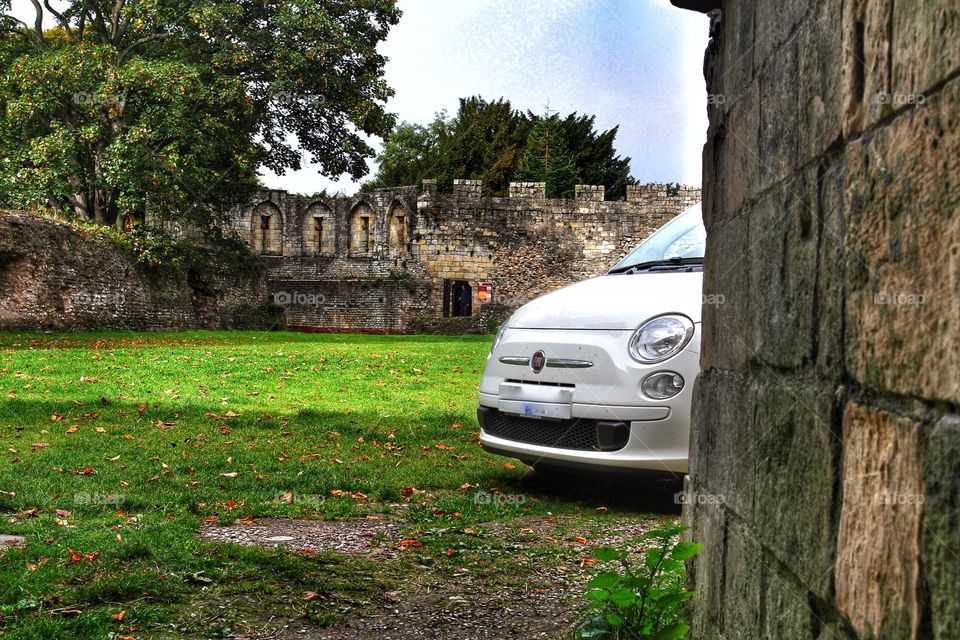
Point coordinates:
[[54, 276], [825, 457], [386, 260]]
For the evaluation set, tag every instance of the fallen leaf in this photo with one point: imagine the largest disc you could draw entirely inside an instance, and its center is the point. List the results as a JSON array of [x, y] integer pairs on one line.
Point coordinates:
[[119, 616], [404, 544], [232, 474]]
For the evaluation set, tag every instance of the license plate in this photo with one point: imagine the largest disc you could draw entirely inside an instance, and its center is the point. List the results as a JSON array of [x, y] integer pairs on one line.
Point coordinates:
[[536, 409]]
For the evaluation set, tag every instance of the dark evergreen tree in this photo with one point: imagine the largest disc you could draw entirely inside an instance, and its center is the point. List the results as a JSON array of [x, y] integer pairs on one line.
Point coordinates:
[[595, 156], [546, 159], [489, 140]]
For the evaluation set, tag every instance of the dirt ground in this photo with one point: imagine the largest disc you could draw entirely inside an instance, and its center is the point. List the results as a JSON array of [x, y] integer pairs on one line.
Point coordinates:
[[534, 590]]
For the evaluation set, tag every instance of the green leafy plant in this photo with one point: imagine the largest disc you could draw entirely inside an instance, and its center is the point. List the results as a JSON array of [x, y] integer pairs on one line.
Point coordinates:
[[150, 247], [641, 595]]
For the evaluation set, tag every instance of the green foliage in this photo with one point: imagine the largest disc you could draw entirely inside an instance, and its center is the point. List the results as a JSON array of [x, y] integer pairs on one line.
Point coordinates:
[[594, 155], [407, 279], [489, 141], [486, 141], [410, 153], [547, 159], [641, 600], [150, 247], [176, 103]]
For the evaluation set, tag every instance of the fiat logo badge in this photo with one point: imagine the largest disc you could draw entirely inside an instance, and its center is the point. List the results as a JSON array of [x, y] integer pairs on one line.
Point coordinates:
[[538, 361]]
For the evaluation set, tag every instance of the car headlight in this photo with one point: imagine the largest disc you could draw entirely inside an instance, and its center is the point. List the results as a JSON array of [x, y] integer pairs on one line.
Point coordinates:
[[500, 333], [662, 385], [660, 338]]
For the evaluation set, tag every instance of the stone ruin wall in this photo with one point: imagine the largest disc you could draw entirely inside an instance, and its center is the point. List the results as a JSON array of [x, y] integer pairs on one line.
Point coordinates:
[[825, 458], [378, 261], [54, 276], [373, 262]]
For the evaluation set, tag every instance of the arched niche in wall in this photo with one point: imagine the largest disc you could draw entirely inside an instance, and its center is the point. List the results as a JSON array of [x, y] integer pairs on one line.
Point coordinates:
[[361, 229], [266, 229], [319, 232], [397, 221]]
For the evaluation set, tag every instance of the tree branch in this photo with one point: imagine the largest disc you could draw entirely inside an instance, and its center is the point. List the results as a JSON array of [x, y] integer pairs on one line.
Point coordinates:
[[62, 20], [136, 43], [38, 24], [115, 30], [99, 22]]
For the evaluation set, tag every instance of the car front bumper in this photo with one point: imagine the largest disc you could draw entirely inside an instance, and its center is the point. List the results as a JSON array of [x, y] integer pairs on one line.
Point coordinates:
[[591, 417]]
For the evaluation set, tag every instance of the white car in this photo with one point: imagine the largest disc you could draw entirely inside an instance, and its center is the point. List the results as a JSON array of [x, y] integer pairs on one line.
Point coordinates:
[[599, 374]]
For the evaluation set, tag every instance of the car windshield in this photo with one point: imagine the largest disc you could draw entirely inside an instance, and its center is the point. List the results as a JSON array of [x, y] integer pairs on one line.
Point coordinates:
[[682, 239]]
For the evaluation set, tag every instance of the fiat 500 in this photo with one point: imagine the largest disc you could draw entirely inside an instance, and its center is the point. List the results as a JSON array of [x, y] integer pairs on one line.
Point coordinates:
[[599, 374]]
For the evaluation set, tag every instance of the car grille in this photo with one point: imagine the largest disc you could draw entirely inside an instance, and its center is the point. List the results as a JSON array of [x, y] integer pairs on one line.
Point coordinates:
[[580, 434]]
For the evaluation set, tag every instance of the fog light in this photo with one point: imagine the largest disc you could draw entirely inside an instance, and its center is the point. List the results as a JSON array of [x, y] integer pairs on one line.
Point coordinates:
[[662, 385]]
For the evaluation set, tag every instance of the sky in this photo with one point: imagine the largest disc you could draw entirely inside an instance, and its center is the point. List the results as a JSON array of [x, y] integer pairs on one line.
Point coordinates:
[[636, 63]]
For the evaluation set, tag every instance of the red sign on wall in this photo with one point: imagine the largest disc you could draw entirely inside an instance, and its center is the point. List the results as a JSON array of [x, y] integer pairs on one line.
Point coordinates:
[[485, 291]]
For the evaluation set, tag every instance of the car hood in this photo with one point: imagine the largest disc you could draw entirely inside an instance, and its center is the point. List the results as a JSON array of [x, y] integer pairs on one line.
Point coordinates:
[[619, 301]]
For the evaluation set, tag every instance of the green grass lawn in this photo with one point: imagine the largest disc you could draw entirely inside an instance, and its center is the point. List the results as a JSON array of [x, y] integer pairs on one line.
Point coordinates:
[[117, 447]]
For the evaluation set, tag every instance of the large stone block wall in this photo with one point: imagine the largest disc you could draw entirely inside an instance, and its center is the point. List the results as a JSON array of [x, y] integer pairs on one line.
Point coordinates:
[[54, 276], [381, 259], [825, 473]]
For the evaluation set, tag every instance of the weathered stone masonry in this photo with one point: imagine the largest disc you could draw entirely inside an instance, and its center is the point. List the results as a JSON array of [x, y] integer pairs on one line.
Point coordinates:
[[57, 277], [391, 260], [379, 260], [825, 459]]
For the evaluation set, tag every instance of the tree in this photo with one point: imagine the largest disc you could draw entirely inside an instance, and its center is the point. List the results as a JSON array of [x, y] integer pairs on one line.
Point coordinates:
[[594, 155], [482, 141], [487, 140], [176, 103], [411, 153], [546, 159]]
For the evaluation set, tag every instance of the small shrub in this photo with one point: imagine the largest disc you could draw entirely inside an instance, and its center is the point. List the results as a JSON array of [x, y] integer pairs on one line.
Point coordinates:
[[150, 247], [640, 596]]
